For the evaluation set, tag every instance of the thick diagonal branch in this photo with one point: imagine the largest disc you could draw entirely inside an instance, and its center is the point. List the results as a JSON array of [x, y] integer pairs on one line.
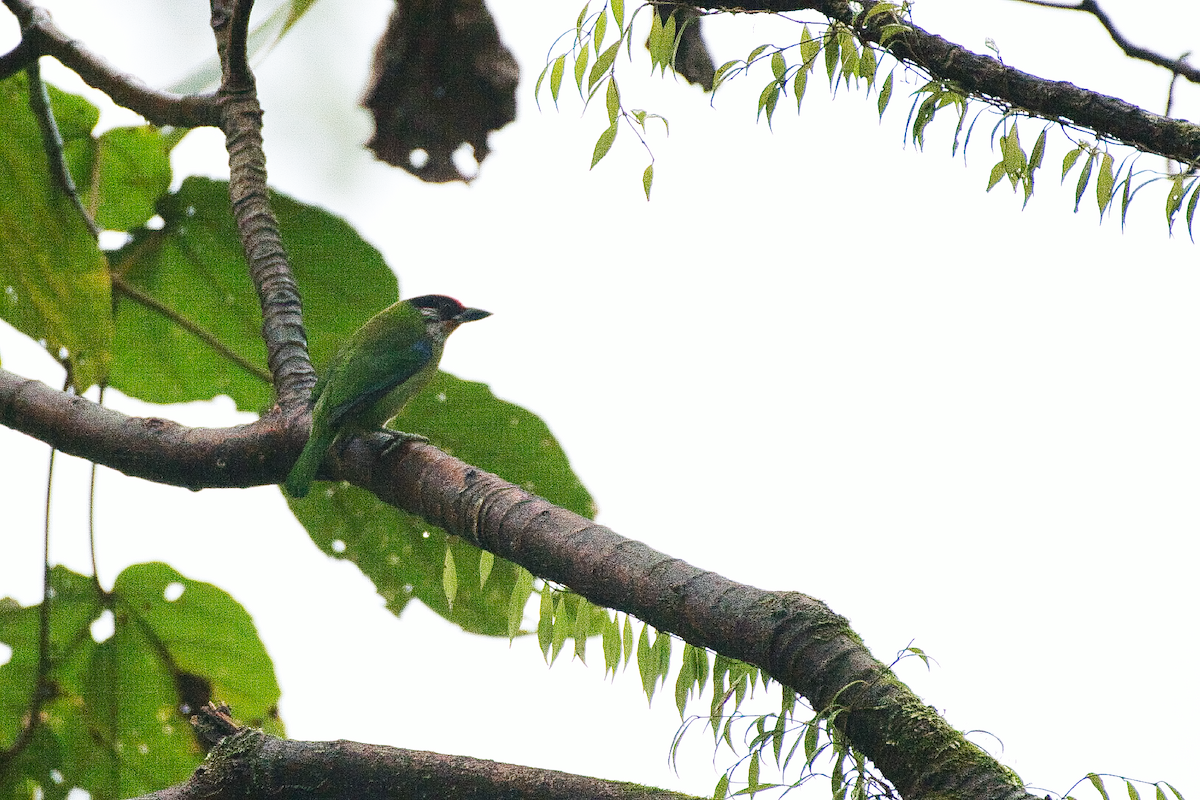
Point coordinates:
[[794, 638]]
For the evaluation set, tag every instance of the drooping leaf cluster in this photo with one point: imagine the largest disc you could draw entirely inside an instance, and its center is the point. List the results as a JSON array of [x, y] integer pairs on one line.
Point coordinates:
[[847, 57]]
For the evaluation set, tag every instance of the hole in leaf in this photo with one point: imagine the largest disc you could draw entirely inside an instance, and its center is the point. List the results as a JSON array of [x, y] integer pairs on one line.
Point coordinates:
[[418, 158], [5, 654], [103, 627], [464, 160], [338, 546], [173, 591], [113, 240]]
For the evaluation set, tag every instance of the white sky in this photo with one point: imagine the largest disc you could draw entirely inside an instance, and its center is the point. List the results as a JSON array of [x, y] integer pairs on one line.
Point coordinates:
[[818, 361]]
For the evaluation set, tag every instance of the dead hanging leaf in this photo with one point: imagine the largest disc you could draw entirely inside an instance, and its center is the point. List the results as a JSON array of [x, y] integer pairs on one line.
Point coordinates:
[[692, 59], [442, 78]]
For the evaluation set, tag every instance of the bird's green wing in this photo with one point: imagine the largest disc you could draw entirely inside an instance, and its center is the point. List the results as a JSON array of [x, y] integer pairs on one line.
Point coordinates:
[[379, 358]]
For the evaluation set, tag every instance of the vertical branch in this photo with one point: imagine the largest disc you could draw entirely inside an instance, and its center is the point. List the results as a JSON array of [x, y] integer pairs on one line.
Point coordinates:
[[279, 297]]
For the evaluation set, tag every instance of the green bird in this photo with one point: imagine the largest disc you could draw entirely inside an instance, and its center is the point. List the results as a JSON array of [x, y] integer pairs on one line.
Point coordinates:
[[375, 372]]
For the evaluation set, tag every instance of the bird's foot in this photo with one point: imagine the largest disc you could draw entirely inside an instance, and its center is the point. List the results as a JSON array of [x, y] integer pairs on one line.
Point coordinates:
[[399, 438]]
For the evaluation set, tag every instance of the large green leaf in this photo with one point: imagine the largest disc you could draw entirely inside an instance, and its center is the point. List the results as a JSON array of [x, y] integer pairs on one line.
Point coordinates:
[[404, 556], [193, 269], [133, 170], [116, 723], [53, 277]]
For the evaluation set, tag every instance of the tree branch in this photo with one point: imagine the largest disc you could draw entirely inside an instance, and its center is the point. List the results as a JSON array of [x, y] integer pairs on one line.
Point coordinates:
[[794, 638], [985, 77], [1177, 66], [251, 763], [42, 37], [279, 298]]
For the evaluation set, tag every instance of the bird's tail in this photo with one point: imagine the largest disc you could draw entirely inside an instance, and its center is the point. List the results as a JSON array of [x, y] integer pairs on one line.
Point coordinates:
[[304, 471]]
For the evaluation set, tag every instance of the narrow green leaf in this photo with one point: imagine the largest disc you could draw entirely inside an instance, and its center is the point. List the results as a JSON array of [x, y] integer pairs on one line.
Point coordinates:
[[799, 84], [662, 647], [848, 52], [809, 48], [627, 639], [583, 620], [603, 144], [579, 22], [1132, 790], [722, 788], [778, 64], [563, 623], [1104, 183], [603, 63], [545, 631], [486, 561], [581, 62], [1014, 156], [647, 179], [888, 32], [867, 64], [611, 644], [655, 41], [599, 31], [719, 76], [836, 775], [1126, 195], [777, 737], [1191, 212], [647, 663], [1069, 161], [618, 12], [613, 100], [684, 683], [877, 9], [756, 52], [556, 76], [1174, 791], [811, 732], [752, 772], [831, 53], [885, 95], [1098, 784], [668, 43], [449, 577], [1084, 176], [522, 588], [537, 87], [1039, 149], [1174, 199], [764, 97]]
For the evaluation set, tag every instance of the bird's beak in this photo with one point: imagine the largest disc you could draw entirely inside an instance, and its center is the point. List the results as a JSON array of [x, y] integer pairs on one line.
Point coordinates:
[[470, 315]]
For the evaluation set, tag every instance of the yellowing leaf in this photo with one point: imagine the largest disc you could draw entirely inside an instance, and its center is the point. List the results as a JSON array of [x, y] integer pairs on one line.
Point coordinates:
[[603, 144]]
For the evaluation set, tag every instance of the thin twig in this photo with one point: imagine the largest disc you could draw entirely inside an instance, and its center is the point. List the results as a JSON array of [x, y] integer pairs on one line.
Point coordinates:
[[52, 143], [40, 36], [210, 339], [1176, 65]]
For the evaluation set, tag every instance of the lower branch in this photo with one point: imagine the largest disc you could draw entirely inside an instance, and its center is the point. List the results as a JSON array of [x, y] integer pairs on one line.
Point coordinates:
[[250, 763]]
